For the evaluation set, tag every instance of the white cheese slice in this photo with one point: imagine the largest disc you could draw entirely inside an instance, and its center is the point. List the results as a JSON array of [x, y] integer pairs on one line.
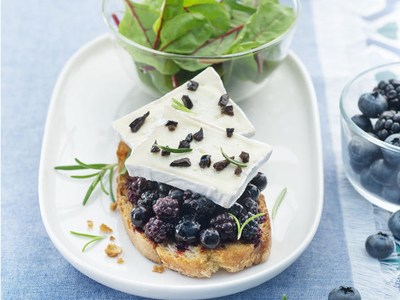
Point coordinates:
[[222, 187], [205, 108]]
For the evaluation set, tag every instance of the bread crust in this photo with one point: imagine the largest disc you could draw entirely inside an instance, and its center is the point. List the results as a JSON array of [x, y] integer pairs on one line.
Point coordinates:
[[196, 261]]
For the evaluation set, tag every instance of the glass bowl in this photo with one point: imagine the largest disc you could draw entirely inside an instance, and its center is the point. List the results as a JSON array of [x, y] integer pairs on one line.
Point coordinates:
[[243, 73], [371, 165]]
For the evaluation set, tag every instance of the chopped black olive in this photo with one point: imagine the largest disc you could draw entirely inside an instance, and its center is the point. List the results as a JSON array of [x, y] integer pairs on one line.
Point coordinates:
[[229, 132], [154, 148], [198, 136], [222, 164], [227, 110], [184, 144], [205, 161], [189, 138], [165, 152], [182, 162], [244, 156], [223, 101], [171, 125], [192, 85], [187, 102], [138, 122], [238, 170]]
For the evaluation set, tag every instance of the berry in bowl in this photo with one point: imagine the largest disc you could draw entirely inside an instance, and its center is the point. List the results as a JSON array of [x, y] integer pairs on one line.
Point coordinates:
[[166, 43], [370, 118]]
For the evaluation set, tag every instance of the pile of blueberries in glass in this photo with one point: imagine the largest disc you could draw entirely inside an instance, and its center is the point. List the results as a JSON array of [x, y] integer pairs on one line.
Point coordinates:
[[379, 168]]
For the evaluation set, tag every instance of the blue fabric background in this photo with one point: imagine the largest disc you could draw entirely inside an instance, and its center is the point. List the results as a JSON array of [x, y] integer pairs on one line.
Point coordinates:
[[38, 38]]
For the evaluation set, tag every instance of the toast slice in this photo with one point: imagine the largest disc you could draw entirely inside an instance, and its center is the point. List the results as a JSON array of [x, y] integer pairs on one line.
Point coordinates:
[[196, 261]]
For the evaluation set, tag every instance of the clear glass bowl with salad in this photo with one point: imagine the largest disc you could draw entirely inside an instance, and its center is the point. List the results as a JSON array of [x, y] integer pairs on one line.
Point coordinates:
[[167, 42]]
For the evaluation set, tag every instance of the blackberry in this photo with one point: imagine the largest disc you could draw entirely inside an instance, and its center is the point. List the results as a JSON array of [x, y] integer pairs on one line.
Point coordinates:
[[209, 238], [250, 231], [158, 230], [166, 208], [388, 123], [225, 225], [187, 230], [199, 206], [151, 185], [237, 210], [391, 92], [249, 205], [148, 198], [140, 215]]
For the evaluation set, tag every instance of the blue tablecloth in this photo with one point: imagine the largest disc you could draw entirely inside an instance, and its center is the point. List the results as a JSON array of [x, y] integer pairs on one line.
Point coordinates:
[[40, 36]]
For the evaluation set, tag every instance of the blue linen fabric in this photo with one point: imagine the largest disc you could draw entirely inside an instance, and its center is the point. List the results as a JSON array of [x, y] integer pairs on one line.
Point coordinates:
[[38, 38]]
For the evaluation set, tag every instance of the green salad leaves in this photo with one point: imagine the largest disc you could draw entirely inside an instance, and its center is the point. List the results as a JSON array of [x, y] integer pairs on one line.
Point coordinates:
[[200, 28]]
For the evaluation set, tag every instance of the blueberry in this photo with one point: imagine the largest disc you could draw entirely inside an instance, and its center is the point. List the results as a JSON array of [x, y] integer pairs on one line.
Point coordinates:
[[394, 224], [362, 152], [382, 172], [379, 245], [187, 230], [391, 193], [209, 238], [390, 156], [398, 179], [251, 191], [344, 293], [140, 215], [368, 183], [357, 167], [372, 104], [363, 122], [163, 188], [260, 181], [176, 194]]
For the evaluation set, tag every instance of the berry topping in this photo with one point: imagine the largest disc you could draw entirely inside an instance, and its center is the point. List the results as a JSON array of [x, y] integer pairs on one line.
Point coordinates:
[[379, 245], [176, 194], [154, 148], [237, 210], [192, 85], [260, 181], [171, 125], [344, 293], [225, 225], [138, 122], [223, 100], [363, 122], [163, 188], [205, 161], [166, 208], [158, 230], [187, 102], [140, 215], [182, 162], [198, 136], [187, 230], [372, 104], [148, 198], [198, 205], [249, 205], [209, 238], [394, 224], [388, 123], [252, 192], [245, 157], [250, 231], [229, 132], [227, 110]]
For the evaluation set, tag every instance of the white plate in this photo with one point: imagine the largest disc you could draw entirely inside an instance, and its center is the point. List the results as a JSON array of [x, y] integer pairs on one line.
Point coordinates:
[[93, 90]]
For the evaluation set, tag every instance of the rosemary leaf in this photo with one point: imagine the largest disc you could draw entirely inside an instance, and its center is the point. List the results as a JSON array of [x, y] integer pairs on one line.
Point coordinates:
[[237, 223], [85, 176], [240, 228], [181, 107], [91, 188], [110, 177], [232, 161], [68, 168], [123, 171], [102, 185], [174, 150], [94, 240], [278, 202], [84, 234], [91, 166]]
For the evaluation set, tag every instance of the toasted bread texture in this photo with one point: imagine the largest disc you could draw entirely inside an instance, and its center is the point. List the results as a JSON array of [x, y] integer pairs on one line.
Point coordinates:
[[196, 261]]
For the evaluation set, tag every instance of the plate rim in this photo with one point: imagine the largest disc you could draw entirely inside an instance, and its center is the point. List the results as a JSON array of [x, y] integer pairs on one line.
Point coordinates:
[[229, 287]]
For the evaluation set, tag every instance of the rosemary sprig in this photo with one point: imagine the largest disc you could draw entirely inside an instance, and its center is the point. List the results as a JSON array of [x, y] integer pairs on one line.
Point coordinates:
[[175, 150], [240, 228], [232, 161], [94, 238], [102, 170], [123, 171], [181, 107], [278, 202]]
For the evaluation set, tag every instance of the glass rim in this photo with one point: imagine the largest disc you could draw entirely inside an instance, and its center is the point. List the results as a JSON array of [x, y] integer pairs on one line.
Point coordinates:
[[226, 56], [353, 125]]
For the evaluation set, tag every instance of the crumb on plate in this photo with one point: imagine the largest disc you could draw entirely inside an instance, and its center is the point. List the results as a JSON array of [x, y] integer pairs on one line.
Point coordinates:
[[90, 223], [120, 260], [158, 269], [112, 238], [113, 250], [113, 206], [105, 228]]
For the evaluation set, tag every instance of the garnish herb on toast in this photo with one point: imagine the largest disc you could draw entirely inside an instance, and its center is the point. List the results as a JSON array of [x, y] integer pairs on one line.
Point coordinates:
[[102, 170], [232, 161], [174, 150], [240, 228]]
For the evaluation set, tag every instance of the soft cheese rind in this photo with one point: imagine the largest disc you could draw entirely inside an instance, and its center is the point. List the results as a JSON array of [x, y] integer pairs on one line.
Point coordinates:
[[205, 106], [223, 187]]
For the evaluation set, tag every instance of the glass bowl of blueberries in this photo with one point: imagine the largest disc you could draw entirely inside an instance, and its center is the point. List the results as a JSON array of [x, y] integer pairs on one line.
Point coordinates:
[[370, 119]]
